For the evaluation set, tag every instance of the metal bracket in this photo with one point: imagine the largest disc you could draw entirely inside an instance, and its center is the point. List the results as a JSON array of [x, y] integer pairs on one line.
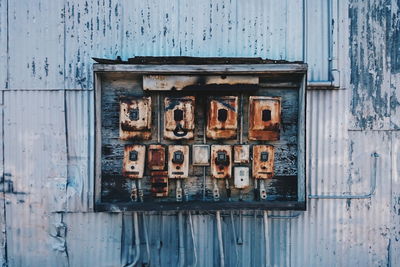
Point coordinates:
[[375, 157]]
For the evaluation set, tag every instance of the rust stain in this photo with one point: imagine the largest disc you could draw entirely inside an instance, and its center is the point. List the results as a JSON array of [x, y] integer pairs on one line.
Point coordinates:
[[156, 157], [178, 161], [241, 154], [135, 118], [263, 161], [159, 183], [221, 161], [179, 118], [264, 118], [133, 162], [222, 117]]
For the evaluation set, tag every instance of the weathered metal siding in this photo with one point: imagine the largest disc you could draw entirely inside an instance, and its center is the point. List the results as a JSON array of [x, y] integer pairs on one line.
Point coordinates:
[[47, 135]]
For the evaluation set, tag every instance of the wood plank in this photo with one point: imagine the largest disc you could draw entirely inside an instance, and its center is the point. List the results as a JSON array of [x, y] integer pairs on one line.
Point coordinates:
[[203, 69]]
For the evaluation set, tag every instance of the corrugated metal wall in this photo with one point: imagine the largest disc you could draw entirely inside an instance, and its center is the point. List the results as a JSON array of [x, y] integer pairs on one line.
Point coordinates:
[[47, 130]]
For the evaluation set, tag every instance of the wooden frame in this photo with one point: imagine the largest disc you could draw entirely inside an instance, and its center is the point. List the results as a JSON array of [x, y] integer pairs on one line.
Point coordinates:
[[297, 69]]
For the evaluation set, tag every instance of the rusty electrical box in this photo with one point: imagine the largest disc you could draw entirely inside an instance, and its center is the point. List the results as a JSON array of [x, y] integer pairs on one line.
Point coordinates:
[[195, 136], [264, 118], [222, 117], [179, 118], [135, 118], [134, 161]]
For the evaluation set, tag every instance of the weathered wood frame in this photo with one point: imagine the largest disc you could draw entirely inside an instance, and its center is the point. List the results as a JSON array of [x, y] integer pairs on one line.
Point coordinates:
[[234, 69]]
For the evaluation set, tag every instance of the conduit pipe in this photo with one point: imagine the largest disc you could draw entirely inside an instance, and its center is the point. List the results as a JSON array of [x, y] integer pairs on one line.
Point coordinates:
[[137, 241], [181, 241], [220, 241]]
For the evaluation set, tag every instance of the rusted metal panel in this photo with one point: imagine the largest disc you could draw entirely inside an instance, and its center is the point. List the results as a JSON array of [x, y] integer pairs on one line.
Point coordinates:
[[178, 161], [221, 161], [264, 118], [170, 82], [263, 161], [156, 157], [201, 155], [135, 118], [134, 159], [241, 154], [222, 121], [179, 117], [159, 183]]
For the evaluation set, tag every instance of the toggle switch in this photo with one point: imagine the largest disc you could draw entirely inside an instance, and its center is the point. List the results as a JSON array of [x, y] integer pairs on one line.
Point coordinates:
[[178, 157], [133, 162], [221, 161], [178, 163]]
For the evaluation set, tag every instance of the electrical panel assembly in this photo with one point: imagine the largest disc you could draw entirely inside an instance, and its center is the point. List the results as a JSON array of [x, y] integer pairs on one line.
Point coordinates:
[[200, 136]]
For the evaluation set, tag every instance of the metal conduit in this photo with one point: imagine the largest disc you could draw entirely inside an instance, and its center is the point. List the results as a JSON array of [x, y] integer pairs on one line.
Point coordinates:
[[181, 241], [137, 241], [220, 241], [375, 157]]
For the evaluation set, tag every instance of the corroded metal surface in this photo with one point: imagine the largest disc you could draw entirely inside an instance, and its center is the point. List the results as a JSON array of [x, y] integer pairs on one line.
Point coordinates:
[[221, 161], [264, 118], [170, 82], [134, 159], [179, 117], [135, 118], [159, 183], [263, 161], [222, 122], [241, 154], [156, 157], [178, 161]]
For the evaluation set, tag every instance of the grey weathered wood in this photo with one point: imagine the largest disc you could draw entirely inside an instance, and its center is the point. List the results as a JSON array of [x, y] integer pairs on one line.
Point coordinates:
[[203, 69], [301, 143]]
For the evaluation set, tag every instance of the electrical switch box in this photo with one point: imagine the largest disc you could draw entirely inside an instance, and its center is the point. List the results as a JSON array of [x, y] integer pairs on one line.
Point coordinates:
[[241, 154], [179, 117], [159, 183], [222, 122], [263, 161], [135, 118], [178, 161], [133, 163], [221, 161], [156, 157], [241, 175], [227, 131], [201, 155], [264, 118]]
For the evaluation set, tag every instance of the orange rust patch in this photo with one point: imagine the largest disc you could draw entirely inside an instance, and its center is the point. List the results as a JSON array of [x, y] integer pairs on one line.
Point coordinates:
[[264, 118], [222, 117], [135, 118], [133, 163], [221, 161], [179, 117], [156, 157], [263, 161]]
